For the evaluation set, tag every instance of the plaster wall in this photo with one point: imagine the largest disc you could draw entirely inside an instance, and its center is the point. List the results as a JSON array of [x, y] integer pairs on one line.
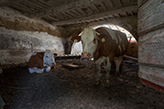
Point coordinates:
[[17, 46]]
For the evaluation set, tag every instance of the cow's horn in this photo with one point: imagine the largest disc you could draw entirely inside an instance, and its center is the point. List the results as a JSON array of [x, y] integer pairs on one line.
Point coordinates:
[[97, 33]]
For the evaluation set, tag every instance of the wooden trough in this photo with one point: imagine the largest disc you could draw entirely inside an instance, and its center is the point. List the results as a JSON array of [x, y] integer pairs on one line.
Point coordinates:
[[73, 66]]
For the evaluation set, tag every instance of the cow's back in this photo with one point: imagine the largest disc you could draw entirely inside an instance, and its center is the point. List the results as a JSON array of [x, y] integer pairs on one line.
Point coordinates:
[[122, 45], [36, 60], [115, 43]]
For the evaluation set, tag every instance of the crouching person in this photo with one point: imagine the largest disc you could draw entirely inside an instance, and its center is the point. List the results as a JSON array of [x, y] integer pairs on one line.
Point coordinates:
[[41, 61]]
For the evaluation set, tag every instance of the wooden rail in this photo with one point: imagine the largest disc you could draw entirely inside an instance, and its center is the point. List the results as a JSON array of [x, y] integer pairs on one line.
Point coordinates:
[[79, 56], [132, 58]]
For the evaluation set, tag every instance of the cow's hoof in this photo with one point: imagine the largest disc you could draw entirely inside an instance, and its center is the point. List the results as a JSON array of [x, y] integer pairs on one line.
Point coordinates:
[[107, 85], [116, 73], [97, 82]]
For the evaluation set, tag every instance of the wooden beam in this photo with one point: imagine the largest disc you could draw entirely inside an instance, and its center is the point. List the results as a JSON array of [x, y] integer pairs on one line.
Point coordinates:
[[71, 14], [81, 11], [95, 8], [40, 3], [52, 18], [141, 2], [132, 58], [5, 2], [89, 11], [110, 3], [32, 4], [75, 12], [43, 2], [67, 15], [120, 3], [97, 15], [8, 2], [66, 7], [60, 16], [22, 7], [103, 6]]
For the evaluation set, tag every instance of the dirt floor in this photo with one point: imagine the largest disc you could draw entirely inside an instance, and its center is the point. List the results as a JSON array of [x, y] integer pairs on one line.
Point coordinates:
[[62, 88]]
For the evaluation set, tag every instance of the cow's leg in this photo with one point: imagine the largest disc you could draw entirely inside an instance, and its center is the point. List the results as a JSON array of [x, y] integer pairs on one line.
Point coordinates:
[[117, 61], [107, 68], [31, 70], [39, 70], [98, 69], [48, 69]]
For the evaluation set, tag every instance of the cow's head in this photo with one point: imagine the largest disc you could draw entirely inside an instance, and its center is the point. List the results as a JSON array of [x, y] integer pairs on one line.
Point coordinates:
[[89, 39], [48, 59]]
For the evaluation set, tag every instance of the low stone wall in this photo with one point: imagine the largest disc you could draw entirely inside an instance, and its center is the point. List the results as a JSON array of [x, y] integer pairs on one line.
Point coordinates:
[[17, 46]]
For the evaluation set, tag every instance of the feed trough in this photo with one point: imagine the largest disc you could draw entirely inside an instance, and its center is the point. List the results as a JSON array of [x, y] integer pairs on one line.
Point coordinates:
[[72, 66]]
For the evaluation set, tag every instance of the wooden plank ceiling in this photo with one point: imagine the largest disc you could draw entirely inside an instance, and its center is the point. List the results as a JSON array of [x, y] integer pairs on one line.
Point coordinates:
[[63, 12]]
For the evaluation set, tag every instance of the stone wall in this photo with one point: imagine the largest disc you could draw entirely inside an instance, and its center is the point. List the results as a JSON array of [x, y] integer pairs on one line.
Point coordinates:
[[17, 46], [20, 36]]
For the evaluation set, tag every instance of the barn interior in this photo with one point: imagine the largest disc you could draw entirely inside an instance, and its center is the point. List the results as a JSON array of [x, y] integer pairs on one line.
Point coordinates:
[[28, 26]]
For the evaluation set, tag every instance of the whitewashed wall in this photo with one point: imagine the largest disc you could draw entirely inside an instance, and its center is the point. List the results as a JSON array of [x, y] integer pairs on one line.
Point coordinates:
[[16, 46]]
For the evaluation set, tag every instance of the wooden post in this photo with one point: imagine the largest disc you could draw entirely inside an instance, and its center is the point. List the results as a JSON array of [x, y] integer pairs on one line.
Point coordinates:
[[151, 43]]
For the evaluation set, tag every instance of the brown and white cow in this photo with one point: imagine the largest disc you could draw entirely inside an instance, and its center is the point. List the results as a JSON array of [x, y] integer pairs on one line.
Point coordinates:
[[105, 46], [41, 61]]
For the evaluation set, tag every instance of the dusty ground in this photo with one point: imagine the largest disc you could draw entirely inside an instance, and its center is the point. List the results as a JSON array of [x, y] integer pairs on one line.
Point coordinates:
[[74, 89]]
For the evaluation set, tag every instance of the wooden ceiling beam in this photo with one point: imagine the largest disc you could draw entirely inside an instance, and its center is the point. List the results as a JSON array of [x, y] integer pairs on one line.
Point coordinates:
[[110, 3], [81, 11], [33, 4], [75, 12], [103, 6], [95, 8], [43, 2], [19, 6], [66, 7], [39, 2], [71, 14], [97, 15], [120, 3], [51, 17], [89, 11], [67, 15], [60, 16], [8, 2]]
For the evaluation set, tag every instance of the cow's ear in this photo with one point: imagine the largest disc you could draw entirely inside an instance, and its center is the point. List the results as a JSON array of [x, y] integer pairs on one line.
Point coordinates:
[[55, 54], [72, 38], [40, 55], [76, 38]]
